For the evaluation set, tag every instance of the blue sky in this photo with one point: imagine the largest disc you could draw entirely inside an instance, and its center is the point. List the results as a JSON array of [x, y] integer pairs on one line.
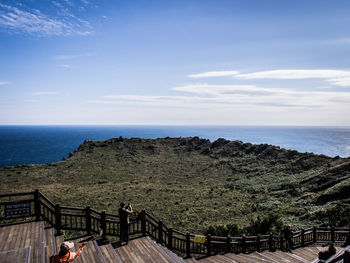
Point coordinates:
[[262, 62]]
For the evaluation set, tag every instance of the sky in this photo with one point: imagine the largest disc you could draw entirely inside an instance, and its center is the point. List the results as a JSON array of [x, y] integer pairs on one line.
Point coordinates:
[[176, 62]]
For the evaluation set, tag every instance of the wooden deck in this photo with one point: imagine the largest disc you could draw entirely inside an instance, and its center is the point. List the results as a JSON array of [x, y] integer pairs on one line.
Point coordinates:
[[31, 243], [20, 255], [24, 235], [300, 255], [144, 250]]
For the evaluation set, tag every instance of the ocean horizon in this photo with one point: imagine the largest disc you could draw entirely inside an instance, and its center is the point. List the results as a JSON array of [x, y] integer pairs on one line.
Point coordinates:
[[40, 144]]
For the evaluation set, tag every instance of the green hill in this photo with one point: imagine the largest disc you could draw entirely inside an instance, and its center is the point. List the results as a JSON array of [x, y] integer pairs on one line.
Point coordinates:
[[191, 183]]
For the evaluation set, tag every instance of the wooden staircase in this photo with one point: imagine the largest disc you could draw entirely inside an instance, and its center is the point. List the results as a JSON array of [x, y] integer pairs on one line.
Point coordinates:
[[32, 243], [300, 255]]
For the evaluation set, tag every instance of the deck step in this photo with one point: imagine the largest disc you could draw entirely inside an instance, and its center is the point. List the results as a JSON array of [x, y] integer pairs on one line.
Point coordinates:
[[50, 243], [191, 260], [172, 257], [110, 254], [141, 250], [23, 235], [19, 255], [300, 255]]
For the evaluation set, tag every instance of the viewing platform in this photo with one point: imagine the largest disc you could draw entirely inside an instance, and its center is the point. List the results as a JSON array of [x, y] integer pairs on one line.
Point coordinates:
[[32, 229]]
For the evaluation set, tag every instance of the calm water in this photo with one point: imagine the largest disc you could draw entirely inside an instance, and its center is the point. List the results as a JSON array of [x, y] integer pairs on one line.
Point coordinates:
[[45, 144]]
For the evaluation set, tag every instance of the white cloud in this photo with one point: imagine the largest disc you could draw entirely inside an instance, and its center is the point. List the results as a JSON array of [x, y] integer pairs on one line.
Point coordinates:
[[214, 74], [65, 66], [39, 93], [339, 78], [296, 74], [342, 82], [4, 83], [234, 97], [68, 57], [32, 21], [224, 90]]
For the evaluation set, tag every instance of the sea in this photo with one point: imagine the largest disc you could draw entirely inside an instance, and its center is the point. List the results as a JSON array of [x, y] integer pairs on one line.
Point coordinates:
[[23, 144]]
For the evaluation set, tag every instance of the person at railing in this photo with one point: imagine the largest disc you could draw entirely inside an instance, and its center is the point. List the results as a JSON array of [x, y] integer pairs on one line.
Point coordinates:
[[288, 235], [124, 211], [326, 254], [65, 255]]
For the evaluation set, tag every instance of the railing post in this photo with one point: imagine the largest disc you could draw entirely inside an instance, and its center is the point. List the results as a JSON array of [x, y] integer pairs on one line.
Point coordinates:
[[258, 243], [346, 256], [228, 244], [37, 204], [58, 223], [170, 239], [188, 245], [332, 234], [303, 238], [244, 244], [270, 242], [103, 224], [160, 232], [314, 235], [88, 219], [281, 240], [208, 244], [143, 222]]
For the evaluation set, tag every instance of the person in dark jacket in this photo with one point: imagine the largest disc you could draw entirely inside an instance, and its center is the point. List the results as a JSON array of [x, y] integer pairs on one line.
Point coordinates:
[[288, 235], [124, 211]]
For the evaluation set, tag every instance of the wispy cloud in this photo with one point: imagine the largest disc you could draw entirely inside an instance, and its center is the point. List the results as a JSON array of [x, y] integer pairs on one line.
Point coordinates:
[[40, 93], [205, 96], [65, 66], [224, 90], [68, 57], [339, 78], [4, 83], [210, 74], [342, 82], [20, 19], [296, 74]]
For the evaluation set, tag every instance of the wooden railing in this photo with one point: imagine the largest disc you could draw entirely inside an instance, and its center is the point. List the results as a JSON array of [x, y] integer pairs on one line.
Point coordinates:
[[90, 221]]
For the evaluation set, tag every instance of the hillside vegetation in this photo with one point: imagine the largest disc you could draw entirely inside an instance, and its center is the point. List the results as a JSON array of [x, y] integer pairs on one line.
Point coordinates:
[[192, 183]]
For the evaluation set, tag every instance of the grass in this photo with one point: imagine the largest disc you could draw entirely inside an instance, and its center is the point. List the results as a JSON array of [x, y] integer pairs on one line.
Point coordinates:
[[191, 183]]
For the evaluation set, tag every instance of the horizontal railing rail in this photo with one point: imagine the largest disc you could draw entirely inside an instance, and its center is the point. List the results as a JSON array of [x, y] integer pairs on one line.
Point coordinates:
[[91, 221]]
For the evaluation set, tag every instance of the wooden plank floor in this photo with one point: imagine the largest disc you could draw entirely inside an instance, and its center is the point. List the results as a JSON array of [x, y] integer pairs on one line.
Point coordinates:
[[300, 255], [110, 254], [141, 250], [58, 240], [191, 260], [24, 235], [50, 243], [15, 256], [171, 256]]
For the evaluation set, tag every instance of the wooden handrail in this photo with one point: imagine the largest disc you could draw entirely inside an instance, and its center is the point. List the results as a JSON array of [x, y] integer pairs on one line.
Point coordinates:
[[42, 196], [17, 194]]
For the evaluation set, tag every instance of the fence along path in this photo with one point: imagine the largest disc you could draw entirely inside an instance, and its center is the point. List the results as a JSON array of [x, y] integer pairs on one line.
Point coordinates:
[[186, 245]]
